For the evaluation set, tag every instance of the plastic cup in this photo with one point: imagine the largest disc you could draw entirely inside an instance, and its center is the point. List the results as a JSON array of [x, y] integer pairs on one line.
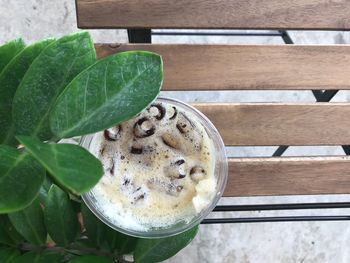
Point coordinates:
[[220, 170]]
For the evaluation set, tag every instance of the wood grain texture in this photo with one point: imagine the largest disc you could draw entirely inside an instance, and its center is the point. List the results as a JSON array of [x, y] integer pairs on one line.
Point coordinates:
[[288, 176], [264, 124], [238, 67], [226, 14]]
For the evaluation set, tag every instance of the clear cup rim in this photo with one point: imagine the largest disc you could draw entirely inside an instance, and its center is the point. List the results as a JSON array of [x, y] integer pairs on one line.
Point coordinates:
[[180, 228]]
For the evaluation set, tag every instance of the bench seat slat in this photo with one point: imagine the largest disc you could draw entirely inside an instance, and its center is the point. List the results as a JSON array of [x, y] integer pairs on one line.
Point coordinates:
[[252, 67], [264, 124], [288, 176], [220, 14]]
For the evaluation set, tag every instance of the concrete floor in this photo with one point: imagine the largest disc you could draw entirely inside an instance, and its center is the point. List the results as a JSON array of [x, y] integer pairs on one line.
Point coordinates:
[[314, 242]]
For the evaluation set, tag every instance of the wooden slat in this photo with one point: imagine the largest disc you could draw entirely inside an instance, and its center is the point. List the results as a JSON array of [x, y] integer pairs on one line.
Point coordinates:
[[236, 14], [280, 124], [225, 67], [288, 176]]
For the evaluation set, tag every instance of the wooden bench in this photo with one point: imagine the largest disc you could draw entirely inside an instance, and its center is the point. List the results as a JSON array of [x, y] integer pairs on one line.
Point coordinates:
[[252, 67]]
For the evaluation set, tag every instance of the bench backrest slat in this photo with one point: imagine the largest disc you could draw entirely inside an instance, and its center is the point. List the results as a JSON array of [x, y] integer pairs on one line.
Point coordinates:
[[219, 14], [242, 67], [261, 124], [288, 176]]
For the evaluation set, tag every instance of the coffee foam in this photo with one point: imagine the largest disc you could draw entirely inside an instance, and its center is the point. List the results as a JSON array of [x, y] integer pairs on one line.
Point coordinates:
[[140, 191]]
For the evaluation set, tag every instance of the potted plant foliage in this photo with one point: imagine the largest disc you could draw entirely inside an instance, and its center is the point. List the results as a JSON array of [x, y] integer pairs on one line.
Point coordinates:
[[56, 89]]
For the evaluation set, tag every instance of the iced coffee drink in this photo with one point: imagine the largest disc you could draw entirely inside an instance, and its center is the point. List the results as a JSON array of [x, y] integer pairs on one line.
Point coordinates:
[[159, 169]]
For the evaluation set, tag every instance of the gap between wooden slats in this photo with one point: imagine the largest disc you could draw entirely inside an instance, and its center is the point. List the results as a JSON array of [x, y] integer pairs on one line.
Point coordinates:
[[220, 14], [252, 67], [288, 176]]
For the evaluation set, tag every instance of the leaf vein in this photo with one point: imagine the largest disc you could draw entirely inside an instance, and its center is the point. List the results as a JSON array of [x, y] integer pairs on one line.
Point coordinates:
[[85, 92], [105, 82]]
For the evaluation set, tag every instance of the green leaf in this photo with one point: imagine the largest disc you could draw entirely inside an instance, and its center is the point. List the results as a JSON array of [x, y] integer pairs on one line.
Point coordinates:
[[46, 78], [94, 227], [9, 51], [60, 218], [35, 257], [91, 259], [29, 222], [20, 179], [7, 255], [31, 257], [10, 78], [76, 202], [125, 244], [8, 234], [105, 237], [71, 165], [157, 250], [50, 257], [109, 92], [44, 189], [4, 236]]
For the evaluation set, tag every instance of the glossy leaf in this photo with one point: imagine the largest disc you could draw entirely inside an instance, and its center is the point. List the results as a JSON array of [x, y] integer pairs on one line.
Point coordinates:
[[105, 237], [46, 78], [9, 50], [8, 234], [4, 236], [125, 244], [91, 259], [76, 202], [44, 189], [71, 165], [95, 229], [60, 219], [7, 255], [20, 179], [36, 257], [31, 257], [10, 78], [157, 250], [29, 222], [109, 92]]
